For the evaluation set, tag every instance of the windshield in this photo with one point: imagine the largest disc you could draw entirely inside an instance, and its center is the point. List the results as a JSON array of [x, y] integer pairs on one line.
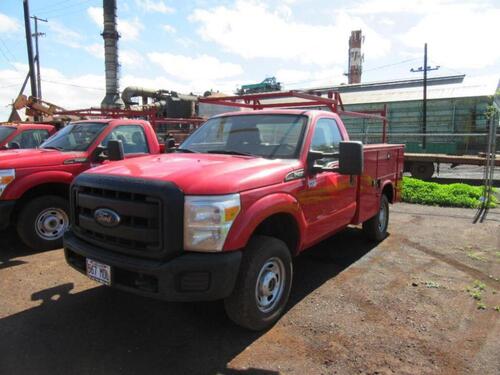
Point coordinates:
[[5, 132], [75, 137], [268, 136]]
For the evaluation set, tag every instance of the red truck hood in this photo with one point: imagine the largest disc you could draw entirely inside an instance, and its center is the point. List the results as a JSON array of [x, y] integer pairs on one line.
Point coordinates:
[[204, 174], [29, 158]]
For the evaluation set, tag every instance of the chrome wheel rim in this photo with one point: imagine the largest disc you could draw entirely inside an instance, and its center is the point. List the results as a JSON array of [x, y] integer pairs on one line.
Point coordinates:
[[51, 224], [382, 217], [270, 284]]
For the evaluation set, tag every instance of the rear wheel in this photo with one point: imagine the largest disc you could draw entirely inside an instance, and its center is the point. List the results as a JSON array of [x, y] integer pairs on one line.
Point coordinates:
[[43, 221], [376, 227], [263, 286]]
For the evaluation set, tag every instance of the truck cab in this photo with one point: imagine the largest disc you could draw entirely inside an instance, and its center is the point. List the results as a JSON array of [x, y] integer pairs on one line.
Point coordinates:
[[22, 136], [223, 216], [34, 183]]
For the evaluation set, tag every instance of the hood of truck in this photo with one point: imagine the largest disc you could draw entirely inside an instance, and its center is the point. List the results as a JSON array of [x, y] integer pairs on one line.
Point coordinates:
[[28, 158], [204, 174]]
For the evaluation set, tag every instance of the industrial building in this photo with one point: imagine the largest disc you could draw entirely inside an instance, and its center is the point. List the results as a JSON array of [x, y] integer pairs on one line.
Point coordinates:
[[456, 113]]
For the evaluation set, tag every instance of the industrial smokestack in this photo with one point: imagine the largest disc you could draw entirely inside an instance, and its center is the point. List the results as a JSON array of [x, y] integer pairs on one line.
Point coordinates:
[[110, 36], [355, 57]]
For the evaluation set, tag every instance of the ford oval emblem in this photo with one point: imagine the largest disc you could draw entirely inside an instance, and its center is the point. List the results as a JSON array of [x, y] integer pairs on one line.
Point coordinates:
[[106, 217]]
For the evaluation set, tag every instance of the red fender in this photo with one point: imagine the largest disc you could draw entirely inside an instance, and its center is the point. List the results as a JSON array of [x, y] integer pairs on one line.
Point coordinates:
[[246, 223], [21, 186]]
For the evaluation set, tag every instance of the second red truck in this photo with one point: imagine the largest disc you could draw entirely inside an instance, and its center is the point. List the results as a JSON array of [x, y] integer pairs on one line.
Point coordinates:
[[34, 183]]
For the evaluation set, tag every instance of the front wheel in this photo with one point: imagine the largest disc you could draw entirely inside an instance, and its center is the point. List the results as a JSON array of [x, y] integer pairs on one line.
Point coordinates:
[[376, 227], [43, 221], [263, 285]]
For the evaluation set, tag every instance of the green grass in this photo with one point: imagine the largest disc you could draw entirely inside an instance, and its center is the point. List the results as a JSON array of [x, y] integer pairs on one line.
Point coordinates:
[[434, 194]]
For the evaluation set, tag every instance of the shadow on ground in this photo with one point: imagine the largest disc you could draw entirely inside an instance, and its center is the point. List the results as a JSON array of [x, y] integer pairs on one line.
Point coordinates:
[[12, 247], [105, 331]]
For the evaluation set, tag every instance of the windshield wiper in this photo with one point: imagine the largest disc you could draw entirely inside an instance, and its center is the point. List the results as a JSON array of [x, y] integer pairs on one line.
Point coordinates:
[[53, 148], [186, 150], [229, 152]]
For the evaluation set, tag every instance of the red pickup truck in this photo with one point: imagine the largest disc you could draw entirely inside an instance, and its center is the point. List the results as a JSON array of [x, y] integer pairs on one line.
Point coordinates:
[[15, 136], [223, 216], [34, 184]]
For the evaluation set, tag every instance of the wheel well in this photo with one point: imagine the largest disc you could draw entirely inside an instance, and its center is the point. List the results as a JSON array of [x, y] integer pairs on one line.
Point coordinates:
[[58, 189], [388, 191], [282, 226]]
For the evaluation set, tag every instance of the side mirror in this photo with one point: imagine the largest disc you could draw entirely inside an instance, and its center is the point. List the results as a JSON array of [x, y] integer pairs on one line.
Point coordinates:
[[115, 150], [13, 146], [351, 158], [169, 145]]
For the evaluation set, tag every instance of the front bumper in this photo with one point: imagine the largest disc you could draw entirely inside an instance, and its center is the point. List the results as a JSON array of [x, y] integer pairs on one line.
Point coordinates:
[[189, 277], [6, 208]]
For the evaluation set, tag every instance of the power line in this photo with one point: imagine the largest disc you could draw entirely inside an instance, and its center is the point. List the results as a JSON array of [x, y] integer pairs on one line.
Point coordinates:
[[7, 48], [389, 65], [74, 85]]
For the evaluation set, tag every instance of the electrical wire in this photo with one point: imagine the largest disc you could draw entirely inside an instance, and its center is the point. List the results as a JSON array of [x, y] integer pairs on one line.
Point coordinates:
[[73, 85]]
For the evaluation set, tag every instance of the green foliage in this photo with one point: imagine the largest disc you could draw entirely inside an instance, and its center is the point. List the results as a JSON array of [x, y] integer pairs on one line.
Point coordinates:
[[434, 194], [476, 256], [481, 306]]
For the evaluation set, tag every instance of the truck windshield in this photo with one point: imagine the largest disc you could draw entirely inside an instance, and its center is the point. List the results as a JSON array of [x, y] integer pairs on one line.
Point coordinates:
[[74, 137], [5, 132], [269, 136]]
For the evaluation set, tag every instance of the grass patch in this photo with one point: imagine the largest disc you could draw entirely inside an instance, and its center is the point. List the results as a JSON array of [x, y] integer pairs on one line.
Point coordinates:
[[476, 256], [434, 194]]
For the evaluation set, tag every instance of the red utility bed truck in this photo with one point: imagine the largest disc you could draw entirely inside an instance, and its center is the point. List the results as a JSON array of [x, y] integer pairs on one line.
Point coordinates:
[[16, 136], [223, 216], [34, 184]]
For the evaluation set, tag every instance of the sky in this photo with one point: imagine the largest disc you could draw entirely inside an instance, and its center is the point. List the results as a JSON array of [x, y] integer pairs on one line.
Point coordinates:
[[192, 46]]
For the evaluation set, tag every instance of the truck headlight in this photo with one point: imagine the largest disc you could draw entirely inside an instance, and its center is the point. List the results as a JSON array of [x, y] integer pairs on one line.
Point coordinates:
[[6, 177], [207, 221]]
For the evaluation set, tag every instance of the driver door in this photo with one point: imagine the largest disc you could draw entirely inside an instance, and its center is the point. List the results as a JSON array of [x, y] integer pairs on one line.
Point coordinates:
[[329, 200]]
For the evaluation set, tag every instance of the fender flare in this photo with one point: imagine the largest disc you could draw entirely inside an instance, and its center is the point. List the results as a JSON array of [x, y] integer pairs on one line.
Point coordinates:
[[246, 224], [384, 185], [21, 186]]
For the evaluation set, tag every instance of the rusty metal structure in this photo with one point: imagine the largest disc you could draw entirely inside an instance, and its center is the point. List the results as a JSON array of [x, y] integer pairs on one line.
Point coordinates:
[[297, 99], [355, 57]]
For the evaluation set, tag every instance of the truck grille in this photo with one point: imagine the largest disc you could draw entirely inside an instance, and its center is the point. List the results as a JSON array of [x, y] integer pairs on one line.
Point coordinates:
[[150, 214]]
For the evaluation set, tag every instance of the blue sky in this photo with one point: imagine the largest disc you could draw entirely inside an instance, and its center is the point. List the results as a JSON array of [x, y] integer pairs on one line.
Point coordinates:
[[193, 46]]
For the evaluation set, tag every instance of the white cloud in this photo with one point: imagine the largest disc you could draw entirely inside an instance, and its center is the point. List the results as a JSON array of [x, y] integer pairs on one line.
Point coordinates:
[[294, 78], [187, 68], [96, 50], [128, 29], [157, 6], [169, 29], [64, 35], [66, 91], [8, 24], [130, 58], [466, 40], [95, 14], [279, 36]]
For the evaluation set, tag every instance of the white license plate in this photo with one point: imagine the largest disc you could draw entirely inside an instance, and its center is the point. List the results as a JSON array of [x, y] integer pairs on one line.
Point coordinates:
[[99, 272]]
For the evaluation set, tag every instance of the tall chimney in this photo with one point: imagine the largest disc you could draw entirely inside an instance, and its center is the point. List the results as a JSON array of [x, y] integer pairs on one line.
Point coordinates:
[[110, 36], [355, 57]]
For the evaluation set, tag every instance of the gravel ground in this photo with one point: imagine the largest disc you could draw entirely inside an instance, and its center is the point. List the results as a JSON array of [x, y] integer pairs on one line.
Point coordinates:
[[398, 307]]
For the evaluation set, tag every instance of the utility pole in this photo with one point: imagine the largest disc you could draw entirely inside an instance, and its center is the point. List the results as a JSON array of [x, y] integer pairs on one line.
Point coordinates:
[[29, 45], [424, 69], [37, 53]]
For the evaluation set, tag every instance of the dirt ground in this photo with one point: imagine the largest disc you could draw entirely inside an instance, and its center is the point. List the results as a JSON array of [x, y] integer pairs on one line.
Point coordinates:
[[398, 307]]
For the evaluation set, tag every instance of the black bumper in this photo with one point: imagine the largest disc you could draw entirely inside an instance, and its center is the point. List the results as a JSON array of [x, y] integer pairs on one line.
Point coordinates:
[[189, 277], [6, 208]]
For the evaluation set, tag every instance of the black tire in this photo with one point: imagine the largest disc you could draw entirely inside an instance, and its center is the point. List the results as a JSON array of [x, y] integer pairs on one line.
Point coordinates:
[[376, 227], [242, 305], [49, 209]]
